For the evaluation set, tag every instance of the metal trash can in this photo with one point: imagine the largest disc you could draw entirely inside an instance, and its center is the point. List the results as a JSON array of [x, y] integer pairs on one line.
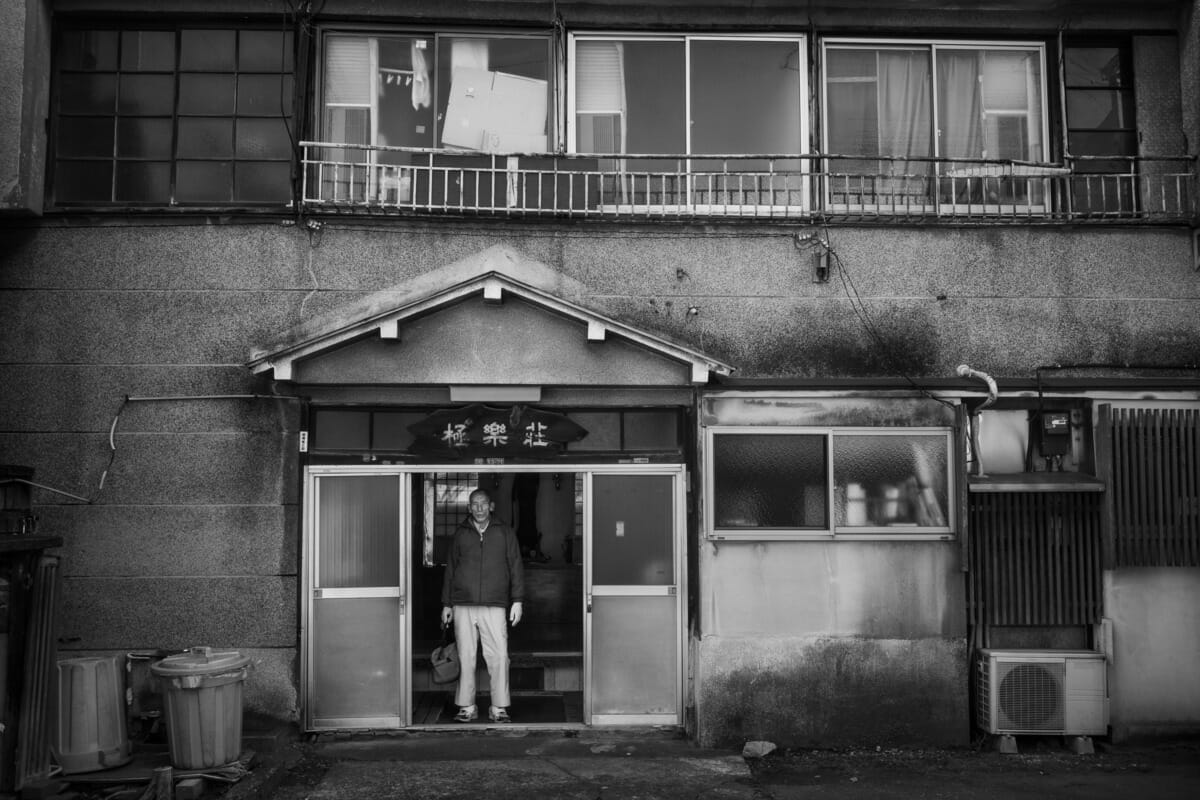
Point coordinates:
[[202, 698]]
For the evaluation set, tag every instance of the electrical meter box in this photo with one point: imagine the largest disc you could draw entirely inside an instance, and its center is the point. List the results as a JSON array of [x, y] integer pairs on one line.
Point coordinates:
[[1054, 433]]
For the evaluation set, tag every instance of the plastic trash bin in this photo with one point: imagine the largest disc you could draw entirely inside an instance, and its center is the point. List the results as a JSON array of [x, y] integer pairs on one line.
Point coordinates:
[[202, 698], [89, 721]]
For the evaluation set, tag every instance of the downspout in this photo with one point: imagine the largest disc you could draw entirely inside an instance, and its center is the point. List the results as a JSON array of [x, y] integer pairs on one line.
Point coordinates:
[[965, 371]]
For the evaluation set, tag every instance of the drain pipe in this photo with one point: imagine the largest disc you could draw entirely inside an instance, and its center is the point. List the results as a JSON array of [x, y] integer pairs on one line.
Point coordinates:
[[965, 371]]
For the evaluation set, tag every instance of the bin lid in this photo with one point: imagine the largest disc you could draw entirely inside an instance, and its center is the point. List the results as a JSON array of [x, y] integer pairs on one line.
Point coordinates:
[[200, 661]]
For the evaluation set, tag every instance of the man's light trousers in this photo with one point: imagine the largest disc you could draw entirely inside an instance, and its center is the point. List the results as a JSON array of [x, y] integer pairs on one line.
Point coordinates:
[[486, 626]]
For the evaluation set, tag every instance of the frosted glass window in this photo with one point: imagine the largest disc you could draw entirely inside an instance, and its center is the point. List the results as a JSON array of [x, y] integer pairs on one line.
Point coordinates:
[[359, 531], [641, 679], [632, 530], [891, 481], [770, 480], [356, 664]]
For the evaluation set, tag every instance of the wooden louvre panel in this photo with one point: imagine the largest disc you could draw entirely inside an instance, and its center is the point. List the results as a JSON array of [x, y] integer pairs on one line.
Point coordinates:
[[1035, 558], [1155, 487]]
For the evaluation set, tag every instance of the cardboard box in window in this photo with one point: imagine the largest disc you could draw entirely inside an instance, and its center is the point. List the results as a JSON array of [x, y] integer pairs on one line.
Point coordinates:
[[495, 112]]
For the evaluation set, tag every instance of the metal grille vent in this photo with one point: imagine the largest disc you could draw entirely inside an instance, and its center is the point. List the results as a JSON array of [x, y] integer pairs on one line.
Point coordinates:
[[1030, 696]]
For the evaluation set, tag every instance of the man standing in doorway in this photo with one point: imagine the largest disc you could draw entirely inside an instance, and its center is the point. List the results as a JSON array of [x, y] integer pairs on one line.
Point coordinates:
[[484, 575]]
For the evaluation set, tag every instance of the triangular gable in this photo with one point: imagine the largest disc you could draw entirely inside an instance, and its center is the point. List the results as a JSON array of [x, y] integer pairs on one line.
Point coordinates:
[[494, 317]]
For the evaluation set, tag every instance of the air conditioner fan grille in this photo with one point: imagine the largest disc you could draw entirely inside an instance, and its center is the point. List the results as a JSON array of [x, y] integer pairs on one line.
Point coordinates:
[[1030, 696]]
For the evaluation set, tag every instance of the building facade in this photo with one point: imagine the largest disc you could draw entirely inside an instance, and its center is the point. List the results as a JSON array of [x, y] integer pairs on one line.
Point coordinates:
[[836, 362]]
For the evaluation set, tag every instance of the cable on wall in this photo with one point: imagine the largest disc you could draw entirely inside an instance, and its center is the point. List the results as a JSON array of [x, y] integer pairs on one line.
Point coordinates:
[[112, 435]]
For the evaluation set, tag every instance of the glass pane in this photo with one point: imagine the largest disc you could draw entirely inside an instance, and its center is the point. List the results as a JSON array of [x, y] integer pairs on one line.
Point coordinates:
[[87, 94], [1007, 80], [390, 430], [1100, 109], [203, 181], [1103, 143], [148, 51], [654, 97], [265, 51], [635, 663], [651, 430], [891, 481], [342, 430], [143, 137], [85, 136], [604, 431], [83, 181], [263, 139], [403, 95], [358, 531], [746, 97], [90, 50], [632, 530], [356, 657], [143, 182], [493, 93], [147, 94], [264, 95], [878, 102], [207, 50], [207, 94], [263, 182], [1094, 66], [205, 138], [770, 481]]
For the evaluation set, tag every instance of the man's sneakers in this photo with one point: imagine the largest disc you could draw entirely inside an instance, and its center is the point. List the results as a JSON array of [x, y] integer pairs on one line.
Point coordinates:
[[471, 713]]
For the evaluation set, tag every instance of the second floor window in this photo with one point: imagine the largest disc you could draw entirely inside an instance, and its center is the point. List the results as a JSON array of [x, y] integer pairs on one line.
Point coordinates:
[[179, 116], [893, 108], [737, 96]]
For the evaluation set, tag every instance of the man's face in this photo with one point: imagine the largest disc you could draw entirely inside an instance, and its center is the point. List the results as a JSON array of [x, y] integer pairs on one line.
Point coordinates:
[[481, 508]]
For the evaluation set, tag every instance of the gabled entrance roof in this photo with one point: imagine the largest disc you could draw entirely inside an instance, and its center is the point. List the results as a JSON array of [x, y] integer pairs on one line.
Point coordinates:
[[495, 317]]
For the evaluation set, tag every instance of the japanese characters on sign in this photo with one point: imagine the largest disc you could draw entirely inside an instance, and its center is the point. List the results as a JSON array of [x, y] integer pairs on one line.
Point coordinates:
[[485, 431]]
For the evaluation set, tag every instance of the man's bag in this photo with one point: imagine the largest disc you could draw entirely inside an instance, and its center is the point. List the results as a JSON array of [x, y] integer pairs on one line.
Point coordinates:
[[444, 660]]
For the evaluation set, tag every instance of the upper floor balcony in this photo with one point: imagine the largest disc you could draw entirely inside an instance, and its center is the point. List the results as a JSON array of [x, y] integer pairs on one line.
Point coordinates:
[[349, 178]]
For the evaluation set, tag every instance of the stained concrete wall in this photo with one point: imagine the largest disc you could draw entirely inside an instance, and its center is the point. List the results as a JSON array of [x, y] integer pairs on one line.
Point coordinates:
[[807, 643], [199, 508], [1153, 688]]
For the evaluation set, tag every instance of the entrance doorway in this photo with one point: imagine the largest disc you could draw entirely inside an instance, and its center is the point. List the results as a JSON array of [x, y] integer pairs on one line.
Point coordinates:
[[546, 649], [601, 639]]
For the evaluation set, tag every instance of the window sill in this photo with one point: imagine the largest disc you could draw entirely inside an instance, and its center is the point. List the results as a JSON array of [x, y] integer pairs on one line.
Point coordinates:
[[1035, 482]]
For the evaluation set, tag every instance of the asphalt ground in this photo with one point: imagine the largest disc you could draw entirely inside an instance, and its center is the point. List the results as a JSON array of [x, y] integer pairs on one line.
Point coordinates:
[[505, 763]]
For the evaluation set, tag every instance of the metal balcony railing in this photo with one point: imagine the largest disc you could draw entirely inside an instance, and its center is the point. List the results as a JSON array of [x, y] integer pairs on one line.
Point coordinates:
[[362, 178]]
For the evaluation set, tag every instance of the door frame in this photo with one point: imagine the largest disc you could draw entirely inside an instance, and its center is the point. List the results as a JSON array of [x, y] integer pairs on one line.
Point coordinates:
[[308, 581], [678, 475], [404, 473]]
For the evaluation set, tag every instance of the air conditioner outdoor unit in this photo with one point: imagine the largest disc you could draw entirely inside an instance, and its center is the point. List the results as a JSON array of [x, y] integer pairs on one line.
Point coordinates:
[[1042, 692]]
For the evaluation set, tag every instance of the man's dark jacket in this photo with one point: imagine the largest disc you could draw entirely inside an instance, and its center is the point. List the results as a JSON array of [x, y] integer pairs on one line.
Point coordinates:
[[483, 570]]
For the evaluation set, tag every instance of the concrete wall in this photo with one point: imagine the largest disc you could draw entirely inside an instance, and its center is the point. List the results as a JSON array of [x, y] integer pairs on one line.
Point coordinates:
[[1155, 617], [830, 643], [198, 511]]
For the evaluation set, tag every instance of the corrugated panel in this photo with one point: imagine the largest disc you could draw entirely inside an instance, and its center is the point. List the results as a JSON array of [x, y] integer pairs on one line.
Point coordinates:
[[1035, 558], [33, 739], [1156, 487]]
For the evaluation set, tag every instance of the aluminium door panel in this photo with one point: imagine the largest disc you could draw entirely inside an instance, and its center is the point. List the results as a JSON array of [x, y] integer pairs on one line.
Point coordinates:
[[355, 587]]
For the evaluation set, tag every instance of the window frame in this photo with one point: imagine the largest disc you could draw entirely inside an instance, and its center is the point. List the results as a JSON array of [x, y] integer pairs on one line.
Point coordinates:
[[832, 531], [179, 113], [570, 132], [932, 46]]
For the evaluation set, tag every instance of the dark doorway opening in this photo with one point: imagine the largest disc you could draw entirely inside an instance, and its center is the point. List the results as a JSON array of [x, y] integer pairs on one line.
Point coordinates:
[[546, 648]]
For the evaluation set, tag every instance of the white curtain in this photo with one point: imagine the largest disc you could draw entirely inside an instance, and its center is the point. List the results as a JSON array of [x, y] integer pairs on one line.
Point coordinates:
[[960, 110], [904, 108]]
